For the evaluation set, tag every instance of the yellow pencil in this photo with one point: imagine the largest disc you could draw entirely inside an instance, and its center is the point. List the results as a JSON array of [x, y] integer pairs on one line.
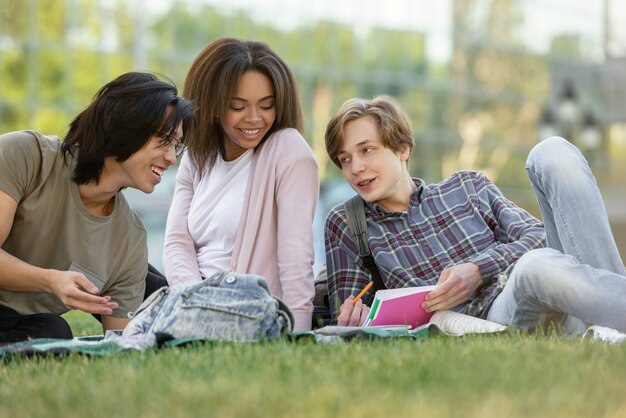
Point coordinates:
[[360, 295]]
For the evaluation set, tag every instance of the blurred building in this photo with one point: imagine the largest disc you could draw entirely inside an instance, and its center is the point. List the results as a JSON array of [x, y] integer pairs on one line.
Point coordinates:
[[479, 78]]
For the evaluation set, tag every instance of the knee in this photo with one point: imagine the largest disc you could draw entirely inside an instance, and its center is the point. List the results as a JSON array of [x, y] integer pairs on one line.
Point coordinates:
[[553, 145], [556, 157], [529, 263], [550, 152], [535, 268], [48, 325]]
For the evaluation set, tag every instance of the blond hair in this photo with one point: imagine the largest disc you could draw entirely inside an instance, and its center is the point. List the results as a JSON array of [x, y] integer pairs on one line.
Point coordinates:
[[393, 123]]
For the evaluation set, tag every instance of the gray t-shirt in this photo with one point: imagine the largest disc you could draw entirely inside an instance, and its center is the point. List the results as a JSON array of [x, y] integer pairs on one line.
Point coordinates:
[[53, 229]]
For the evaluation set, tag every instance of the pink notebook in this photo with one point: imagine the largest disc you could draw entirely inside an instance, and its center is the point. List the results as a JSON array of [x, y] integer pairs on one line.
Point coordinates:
[[399, 307]]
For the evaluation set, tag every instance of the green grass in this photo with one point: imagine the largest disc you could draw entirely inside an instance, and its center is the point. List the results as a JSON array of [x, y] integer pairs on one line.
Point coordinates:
[[509, 375]]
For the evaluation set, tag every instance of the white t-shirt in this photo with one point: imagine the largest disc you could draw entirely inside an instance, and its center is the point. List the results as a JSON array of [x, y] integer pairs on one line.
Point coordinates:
[[215, 212]]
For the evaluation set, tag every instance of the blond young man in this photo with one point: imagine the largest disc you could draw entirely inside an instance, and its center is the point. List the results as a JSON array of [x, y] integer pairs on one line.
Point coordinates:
[[463, 234]]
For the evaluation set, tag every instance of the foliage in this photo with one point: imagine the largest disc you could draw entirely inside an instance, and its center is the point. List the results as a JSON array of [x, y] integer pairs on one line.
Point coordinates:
[[501, 89], [54, 64], [479, 110]]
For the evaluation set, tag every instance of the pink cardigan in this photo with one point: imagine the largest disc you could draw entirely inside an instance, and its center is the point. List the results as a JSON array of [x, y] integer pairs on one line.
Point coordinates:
[[275, 237]]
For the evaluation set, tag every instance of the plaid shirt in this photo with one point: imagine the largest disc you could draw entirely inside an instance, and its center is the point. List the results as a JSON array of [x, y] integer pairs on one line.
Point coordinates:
[[465, 218]]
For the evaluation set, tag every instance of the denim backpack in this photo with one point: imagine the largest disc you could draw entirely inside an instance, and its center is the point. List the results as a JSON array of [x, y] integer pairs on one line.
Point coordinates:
[[227, 306]]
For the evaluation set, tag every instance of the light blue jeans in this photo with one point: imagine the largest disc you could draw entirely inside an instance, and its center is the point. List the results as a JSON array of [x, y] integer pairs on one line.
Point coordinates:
[[580, 276]]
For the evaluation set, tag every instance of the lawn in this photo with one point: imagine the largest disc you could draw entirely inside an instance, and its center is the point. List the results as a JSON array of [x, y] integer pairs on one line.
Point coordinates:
[[510, 375]]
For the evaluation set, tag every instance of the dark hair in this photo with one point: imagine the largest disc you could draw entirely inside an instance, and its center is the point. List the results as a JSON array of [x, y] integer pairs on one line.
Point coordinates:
[[393, 124], [212, 81], [123, 116]]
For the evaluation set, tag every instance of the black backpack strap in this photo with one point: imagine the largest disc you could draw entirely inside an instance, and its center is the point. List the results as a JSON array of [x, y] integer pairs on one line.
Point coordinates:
[[357, 224]]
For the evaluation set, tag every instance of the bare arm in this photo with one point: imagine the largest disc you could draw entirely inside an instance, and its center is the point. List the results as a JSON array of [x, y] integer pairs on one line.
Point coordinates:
[[111, 323], [72, 288]]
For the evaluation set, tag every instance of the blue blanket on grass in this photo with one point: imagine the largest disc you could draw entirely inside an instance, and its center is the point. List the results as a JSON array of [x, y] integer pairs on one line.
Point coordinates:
[[113, 343]]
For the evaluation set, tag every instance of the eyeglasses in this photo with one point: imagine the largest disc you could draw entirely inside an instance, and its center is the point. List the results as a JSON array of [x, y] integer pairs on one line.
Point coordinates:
[[170, 141]]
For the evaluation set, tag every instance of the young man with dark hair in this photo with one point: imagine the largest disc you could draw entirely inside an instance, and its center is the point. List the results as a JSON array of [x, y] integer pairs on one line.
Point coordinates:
[[465, 236], [69, 238]]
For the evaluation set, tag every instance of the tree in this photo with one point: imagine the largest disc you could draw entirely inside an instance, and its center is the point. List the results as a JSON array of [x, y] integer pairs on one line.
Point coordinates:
[[498, 87]]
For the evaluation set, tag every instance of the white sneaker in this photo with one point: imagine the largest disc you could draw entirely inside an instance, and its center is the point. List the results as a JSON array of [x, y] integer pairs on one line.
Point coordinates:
[[609, 335]]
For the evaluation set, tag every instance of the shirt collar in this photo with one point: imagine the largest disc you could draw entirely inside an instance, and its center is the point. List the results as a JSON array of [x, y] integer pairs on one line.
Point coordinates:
[[378, 212]]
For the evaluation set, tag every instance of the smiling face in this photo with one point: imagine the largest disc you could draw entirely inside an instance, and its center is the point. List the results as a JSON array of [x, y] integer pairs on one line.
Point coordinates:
[[143, 169], [375, 172], [250, 114]]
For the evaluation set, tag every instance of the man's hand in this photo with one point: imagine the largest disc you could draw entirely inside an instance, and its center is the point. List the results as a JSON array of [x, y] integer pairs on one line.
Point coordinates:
[[456, 284], [352, 314], [76, 292]]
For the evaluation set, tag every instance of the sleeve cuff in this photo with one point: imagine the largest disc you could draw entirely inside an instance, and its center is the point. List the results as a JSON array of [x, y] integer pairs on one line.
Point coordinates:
[[302, 320], [487, 268]]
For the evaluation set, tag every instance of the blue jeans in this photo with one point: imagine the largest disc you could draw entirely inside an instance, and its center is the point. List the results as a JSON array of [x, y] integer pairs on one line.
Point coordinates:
[[580, 276]]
